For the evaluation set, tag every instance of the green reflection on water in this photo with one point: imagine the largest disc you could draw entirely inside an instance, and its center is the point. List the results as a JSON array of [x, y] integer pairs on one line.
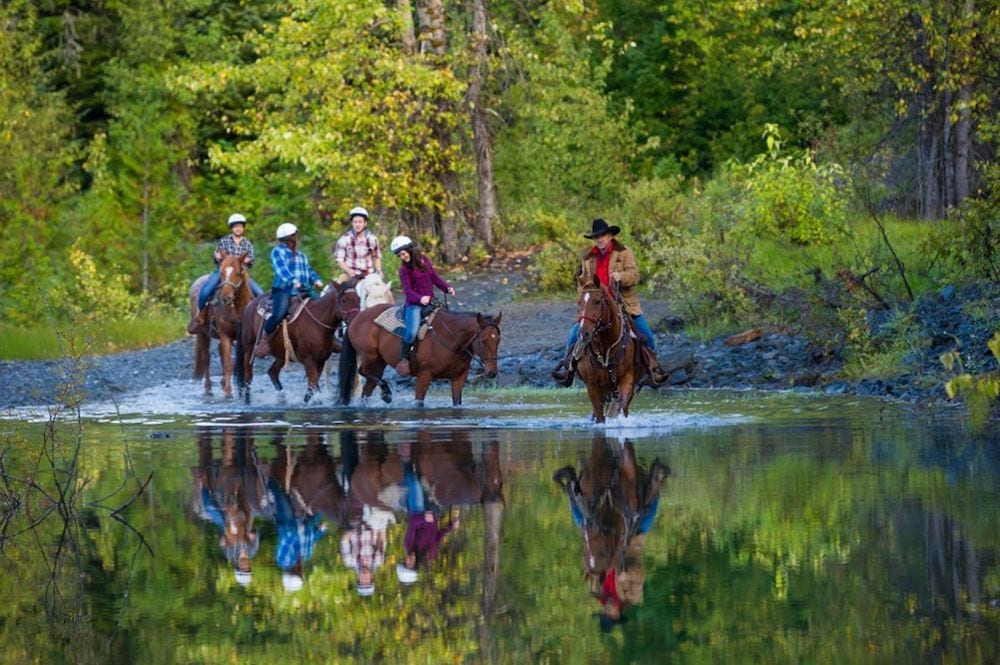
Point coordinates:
[[802, 530]]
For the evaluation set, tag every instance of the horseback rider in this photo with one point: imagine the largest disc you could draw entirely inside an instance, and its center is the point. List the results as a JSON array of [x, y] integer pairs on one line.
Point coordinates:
[[357, 252], [292, 273], [418, 279], [611, 261], [235, 244]]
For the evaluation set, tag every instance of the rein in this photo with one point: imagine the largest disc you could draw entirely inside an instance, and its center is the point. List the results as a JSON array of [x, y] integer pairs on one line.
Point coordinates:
[[464, 347]]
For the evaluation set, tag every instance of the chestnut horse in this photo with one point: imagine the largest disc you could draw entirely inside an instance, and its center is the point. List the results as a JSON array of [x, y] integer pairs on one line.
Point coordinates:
[[607, 352], [446, 352], [222, 321], [310, 332]]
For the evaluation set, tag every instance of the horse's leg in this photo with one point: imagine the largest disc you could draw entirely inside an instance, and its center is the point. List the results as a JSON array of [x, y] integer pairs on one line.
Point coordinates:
[[423, 383], [312, 378], [596, 395], [274, 370], [226, 356], [457, 385]]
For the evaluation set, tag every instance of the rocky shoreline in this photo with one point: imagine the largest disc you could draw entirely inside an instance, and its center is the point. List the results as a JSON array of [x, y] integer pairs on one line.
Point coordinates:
[[534, 332]]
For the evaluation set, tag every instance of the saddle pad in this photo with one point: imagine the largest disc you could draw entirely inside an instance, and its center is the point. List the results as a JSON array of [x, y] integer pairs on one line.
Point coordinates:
[[392, 320]]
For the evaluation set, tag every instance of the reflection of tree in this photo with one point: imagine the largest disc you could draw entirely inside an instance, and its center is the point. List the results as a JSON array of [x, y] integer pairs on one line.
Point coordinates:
[[48, 544]]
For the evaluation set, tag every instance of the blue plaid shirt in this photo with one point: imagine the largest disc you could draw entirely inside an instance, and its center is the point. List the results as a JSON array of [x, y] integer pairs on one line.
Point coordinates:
[[296, 540], [291, 269]]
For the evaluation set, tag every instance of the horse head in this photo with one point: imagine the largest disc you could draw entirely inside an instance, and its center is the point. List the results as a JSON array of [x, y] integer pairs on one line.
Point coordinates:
[[487, 342], [596, 310], [348, 303], [234, 287]]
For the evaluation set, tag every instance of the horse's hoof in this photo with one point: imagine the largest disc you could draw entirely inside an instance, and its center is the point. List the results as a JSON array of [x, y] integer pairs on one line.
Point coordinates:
[[420, 403], [308, 397], [387, 398]]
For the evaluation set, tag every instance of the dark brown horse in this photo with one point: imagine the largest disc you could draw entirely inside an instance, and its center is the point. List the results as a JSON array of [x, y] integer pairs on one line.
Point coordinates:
[[608, 357], [310, 332], [222, 321], [613, 501], [446, 352]]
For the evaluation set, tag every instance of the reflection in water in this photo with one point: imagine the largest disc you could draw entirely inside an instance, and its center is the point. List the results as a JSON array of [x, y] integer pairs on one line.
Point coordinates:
[[613, 501], [229, 491], [839, 538]]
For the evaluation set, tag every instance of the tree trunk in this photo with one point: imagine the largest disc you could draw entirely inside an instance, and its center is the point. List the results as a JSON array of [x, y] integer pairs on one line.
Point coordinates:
[[487, 209], [409, 38], [947, 155], [433, 41]]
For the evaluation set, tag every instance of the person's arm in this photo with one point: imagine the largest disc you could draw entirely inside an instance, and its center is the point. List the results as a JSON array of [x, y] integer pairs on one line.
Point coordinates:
[[410, 295], [629, 273], [283, 275], [376, 255], [249, 257], [437, 280], [340, 256]]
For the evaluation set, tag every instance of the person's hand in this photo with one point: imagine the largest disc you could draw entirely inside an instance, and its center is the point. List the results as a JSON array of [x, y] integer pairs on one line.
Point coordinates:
[[617, 276], [318, 283], [296, 285], [451, 290], [246, 258], [218, 255], [424, 300]]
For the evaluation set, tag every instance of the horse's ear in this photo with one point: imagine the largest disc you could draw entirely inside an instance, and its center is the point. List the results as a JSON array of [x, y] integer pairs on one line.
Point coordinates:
[[497, 319], [581, 281]]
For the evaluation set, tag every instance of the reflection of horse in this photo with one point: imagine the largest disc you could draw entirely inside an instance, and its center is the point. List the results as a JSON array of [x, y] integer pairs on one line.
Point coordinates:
[[309, 328], [222, 320], [454, 472], [230, 491], [613, 501], [609, 360], [452, 340]]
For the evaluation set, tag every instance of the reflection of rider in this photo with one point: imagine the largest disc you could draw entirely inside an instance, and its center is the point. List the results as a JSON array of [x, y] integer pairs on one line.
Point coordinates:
[[363, 549], [619, 585], [423, 535], [292, 273], [299, 529], [228, 493], [610, 261], [418, 279], [233, 244]]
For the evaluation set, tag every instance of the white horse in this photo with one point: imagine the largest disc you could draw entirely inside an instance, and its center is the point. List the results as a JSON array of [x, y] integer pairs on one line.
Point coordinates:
[[372, 290]]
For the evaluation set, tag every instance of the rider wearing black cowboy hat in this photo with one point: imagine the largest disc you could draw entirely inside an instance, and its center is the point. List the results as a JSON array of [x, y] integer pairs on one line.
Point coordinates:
[[611, 261]]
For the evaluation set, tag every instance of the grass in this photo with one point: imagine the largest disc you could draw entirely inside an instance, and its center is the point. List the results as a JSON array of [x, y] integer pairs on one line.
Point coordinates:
[[49, 342]]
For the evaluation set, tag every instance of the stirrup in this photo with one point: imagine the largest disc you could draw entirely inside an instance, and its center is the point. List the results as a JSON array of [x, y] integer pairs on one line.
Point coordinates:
[[563, 374]]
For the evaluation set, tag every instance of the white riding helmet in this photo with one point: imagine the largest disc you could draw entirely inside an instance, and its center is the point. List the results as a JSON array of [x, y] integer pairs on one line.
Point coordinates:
[[399, 243], [357, 210], [286, 230], [236, 218]]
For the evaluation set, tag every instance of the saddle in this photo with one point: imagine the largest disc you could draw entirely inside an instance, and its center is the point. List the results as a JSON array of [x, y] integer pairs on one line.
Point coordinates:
[[392, 320], [295, 307]]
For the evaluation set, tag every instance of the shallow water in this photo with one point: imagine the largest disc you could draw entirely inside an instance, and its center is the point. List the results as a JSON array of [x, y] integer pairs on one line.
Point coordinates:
[[790, 529]]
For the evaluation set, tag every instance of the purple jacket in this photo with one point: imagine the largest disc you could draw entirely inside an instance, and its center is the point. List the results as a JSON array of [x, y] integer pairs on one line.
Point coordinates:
[[420, 283], [424, 536]]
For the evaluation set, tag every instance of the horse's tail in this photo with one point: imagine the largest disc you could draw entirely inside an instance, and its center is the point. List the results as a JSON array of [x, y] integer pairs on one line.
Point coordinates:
[[346, 370], [241, 354], [202, 355]]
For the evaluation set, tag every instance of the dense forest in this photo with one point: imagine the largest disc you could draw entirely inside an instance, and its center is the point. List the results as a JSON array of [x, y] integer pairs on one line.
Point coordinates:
[[723, 136]]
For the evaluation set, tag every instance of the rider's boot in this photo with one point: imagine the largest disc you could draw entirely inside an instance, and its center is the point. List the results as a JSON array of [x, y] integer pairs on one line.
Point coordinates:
[[263, 345], [655, 377], [403, 366], [197, 321], [565, 370]]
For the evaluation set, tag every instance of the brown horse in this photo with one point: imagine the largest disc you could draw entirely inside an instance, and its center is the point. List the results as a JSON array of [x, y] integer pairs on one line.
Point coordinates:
[[613, 501], [222, 321], [310, 332], [446, 352], [609, 361]]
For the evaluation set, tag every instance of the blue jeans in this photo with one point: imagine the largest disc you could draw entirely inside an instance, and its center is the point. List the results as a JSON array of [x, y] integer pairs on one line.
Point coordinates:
[[640, 323], [411, 314], [212, 283], [414, 490], [280, 299], [646, 517]]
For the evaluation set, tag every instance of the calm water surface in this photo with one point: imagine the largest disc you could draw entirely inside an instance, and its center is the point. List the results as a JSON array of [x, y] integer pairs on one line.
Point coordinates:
[[706, 528]]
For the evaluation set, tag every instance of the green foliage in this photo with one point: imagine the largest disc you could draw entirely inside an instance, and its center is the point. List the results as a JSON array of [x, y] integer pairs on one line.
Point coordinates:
[[980, 391], [971, 248]]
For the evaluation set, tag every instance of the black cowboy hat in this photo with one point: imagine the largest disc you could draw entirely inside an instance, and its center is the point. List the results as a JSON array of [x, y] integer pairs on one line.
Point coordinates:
[[600, 227]]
